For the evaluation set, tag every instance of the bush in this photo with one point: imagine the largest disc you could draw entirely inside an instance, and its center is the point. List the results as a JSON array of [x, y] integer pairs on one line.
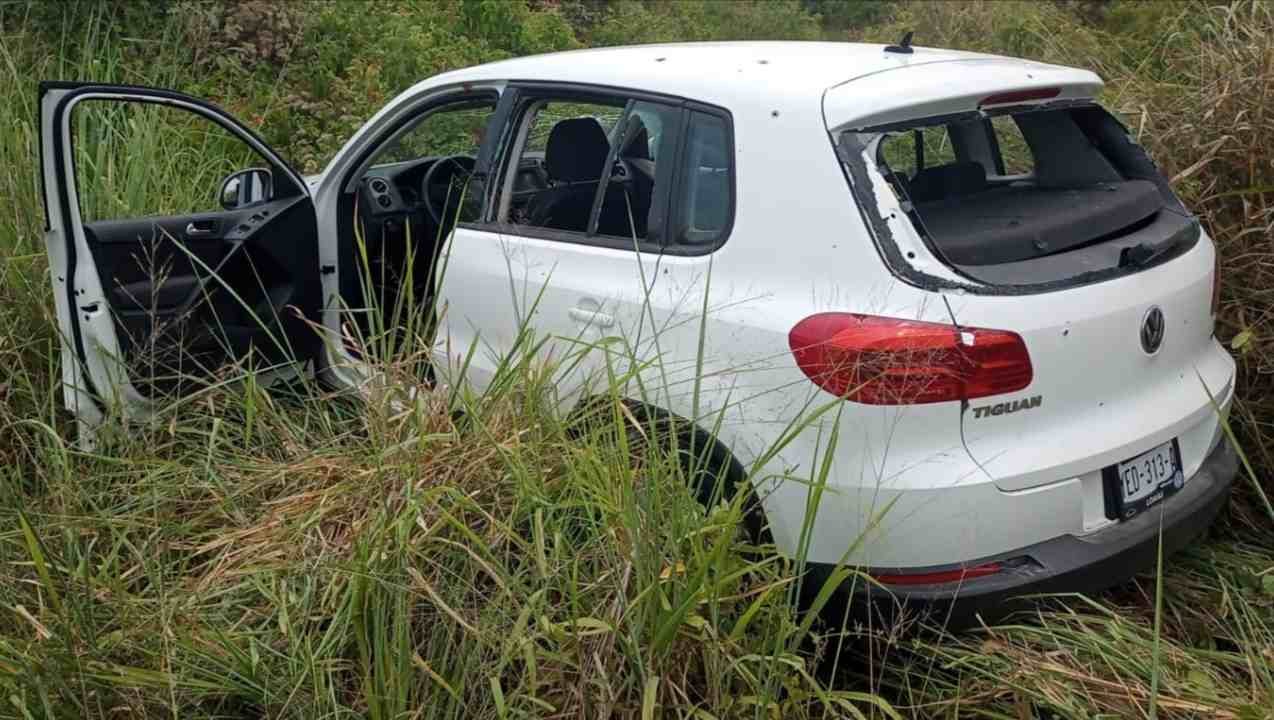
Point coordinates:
[[357, 56], [840, 15], [630, 22], [249, 33]]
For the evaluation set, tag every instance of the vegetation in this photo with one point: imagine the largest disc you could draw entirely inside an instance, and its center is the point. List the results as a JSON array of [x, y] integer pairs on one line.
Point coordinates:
[[293, 554]]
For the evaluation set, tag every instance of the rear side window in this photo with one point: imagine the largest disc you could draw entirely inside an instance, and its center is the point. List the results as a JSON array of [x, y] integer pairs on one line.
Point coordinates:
[[705, 183], [1014, 155], [547, 115], [591, 168], [908, 152], [622, 172]]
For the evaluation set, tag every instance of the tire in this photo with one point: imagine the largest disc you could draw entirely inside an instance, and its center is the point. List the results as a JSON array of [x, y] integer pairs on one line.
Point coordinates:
[[712, 472]]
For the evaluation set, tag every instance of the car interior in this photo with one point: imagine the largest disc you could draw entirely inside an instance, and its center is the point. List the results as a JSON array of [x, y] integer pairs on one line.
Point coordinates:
[[566, 150], [991, 194], [392, 225], [192, 288], [420, 184]]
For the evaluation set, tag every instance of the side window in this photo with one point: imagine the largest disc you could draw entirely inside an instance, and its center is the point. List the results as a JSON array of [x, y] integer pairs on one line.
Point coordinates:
[[547, 114], [137, 159], [705, 187], [1015, 154], [939, 149], [427, 169], [450, 130], [628, 207], [587, 167], [907, 153]]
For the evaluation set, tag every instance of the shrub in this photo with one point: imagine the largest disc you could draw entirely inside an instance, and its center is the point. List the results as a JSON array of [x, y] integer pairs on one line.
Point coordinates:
[[630, 22], [250, 33]]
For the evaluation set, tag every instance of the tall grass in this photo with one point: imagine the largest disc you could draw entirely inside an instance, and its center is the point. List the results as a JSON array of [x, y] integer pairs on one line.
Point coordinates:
[[427, 553], [415, 553], [1194, 82]]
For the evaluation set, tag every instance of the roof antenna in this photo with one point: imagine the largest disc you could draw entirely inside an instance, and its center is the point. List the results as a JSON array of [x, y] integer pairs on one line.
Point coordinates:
[[903, 47]]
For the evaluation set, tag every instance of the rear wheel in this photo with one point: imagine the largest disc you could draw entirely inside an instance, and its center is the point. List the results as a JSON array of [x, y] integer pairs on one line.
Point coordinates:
[[711, 471]]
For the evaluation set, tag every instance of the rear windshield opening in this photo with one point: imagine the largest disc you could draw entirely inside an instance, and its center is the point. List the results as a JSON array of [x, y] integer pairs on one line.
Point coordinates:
[[1028, 197]]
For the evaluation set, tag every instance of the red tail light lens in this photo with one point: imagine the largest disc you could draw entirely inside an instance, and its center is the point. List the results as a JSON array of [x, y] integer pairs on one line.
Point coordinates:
[[888, 361], [945, 576]]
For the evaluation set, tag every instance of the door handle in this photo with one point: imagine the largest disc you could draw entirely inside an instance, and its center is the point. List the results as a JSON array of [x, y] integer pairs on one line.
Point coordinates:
[[201, 228], [591, 317]]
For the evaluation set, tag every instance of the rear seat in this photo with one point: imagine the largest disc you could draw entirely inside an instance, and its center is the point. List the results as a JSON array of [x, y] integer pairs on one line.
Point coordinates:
[[944, 181]]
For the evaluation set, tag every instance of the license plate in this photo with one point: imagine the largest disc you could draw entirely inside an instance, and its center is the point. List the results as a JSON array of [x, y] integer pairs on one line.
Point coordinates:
[[1147, 479]]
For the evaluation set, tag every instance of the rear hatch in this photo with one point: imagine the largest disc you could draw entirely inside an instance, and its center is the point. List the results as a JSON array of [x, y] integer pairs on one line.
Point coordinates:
[[1017, 183], [1102, 392], [1002, 185]]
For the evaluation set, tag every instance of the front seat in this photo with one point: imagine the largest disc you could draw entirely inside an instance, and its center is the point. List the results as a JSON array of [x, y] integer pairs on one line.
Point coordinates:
[[614, 217], [573, 158]]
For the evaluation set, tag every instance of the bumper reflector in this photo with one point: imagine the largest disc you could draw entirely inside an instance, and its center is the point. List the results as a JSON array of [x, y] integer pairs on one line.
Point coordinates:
[[940, 577]]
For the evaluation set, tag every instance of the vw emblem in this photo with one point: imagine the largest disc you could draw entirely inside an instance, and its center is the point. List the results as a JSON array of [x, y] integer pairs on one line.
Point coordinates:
[[1152, 327]]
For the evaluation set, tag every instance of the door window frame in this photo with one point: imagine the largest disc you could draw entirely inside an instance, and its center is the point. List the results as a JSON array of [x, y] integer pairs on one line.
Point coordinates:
[[667, 199], [674, 246], [438, 99], [91, 380], [287, 182]]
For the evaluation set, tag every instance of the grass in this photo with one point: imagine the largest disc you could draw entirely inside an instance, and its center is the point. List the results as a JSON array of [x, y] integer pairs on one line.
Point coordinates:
[[298, 554], [289, 553]]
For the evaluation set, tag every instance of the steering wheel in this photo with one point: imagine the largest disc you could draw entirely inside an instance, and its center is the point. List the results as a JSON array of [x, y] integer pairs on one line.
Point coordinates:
[[436, 190]]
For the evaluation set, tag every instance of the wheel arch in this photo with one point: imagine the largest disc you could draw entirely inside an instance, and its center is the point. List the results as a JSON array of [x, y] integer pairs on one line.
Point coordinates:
[[721, 460]]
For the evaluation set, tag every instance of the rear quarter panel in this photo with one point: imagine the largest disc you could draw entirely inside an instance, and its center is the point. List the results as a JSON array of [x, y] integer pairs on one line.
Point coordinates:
[[799, 247]]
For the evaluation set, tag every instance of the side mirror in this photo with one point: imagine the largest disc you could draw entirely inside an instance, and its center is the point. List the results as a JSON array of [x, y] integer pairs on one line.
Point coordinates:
[[245, 188]]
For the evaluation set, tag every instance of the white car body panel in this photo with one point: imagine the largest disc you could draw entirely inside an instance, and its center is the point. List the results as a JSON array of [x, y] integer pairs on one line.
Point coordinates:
[[570, 295], [934, 88], [958, 488], [1128, 401]]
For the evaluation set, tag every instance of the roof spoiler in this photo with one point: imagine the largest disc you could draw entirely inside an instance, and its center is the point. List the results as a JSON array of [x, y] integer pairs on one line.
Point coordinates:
[[952, 88]]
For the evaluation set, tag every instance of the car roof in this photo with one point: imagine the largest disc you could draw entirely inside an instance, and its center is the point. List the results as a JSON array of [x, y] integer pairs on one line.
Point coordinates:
[[729, 74]]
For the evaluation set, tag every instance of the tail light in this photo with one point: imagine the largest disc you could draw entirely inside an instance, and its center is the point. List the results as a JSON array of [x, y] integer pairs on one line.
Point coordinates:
[[888, 361], [937, 578]]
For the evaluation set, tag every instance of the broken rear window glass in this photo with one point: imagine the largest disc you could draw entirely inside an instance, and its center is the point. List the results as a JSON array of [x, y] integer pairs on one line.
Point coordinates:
[[1028, 197]]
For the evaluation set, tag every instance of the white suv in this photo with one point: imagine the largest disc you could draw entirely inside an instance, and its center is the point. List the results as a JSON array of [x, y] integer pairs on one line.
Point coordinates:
[[967, 256]]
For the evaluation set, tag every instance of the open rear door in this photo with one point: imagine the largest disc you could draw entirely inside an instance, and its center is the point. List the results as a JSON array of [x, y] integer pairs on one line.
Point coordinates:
[[183, 250]]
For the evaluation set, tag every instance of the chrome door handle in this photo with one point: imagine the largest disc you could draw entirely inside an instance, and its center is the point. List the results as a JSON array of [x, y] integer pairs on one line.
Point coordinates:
[[193, 230], [591, 317]]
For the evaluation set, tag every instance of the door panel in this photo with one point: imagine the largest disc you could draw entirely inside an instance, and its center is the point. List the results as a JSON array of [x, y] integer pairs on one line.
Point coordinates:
[[188, 303], [149, 264], [573, 297], [160, 304]]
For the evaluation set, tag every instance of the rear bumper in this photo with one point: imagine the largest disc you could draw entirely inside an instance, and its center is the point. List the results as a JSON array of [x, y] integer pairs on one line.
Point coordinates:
[[1069, 563]]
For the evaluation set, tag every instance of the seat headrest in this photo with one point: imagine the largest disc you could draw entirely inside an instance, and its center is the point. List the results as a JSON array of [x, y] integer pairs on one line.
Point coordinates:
[[576, 150], [951, 180], [636, 140]]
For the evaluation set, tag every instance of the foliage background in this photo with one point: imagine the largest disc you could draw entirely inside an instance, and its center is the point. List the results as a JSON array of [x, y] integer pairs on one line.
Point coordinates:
[[260, 557]]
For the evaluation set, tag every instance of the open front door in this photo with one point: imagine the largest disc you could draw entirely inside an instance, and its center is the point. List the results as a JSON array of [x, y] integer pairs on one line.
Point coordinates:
[[183, 251]]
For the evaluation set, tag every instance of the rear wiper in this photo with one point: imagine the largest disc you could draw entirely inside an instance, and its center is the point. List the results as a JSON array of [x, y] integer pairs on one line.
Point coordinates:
[[1143, 254]]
